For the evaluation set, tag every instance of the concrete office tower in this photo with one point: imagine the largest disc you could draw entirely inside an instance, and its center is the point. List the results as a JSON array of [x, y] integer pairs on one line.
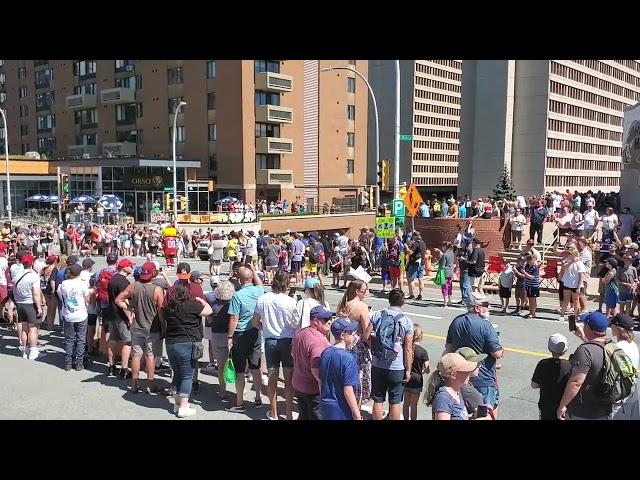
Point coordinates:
[[268, 129], [430, 111], [557, 124]]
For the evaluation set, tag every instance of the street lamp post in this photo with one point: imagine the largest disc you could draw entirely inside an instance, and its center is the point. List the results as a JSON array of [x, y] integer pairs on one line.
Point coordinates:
[[6, 158], [175, 175], [396, 159], [375, 109]]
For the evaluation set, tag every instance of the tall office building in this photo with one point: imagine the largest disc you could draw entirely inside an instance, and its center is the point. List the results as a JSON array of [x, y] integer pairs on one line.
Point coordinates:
[[557, 124], [430, 111], [260, 129]]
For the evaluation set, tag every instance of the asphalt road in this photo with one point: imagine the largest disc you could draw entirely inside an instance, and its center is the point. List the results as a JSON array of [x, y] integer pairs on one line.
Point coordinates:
[[43, 390]]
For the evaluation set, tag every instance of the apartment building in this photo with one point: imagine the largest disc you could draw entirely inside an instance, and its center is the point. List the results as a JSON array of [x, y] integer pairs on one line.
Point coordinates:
[[259, 129], [557, 124], [430, 97]]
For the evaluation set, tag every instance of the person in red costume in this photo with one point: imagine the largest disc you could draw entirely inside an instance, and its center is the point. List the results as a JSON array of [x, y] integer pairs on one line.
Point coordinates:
[[170, 245]]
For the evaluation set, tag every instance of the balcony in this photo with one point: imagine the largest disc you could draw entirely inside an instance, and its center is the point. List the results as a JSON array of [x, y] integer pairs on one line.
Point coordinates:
[[81, 101], [274, 177], [117, 96], [119, 149], [274, 114], [82, 151], [274, 82], [274, 145]]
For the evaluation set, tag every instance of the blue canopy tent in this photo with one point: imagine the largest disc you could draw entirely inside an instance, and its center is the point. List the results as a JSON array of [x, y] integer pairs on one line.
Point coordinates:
[[51, 199], [36, 198], [83, 199], [226, 200]]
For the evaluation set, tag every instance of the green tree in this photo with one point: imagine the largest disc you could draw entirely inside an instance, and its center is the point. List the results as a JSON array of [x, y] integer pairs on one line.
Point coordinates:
[[505, 187]]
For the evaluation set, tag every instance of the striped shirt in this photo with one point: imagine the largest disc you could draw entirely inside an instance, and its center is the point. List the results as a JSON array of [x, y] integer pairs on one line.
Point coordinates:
[[535, 271]]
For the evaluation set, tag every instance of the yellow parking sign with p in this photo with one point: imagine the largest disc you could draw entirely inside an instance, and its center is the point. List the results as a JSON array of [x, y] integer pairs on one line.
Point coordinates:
[[385, 227]]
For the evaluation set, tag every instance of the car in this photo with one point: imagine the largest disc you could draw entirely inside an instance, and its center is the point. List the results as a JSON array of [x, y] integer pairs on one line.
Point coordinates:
[[203, 249]]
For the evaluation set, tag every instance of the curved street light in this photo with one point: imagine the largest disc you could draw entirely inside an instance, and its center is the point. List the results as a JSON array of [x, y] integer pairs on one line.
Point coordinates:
[[6, 157], [175, 176]]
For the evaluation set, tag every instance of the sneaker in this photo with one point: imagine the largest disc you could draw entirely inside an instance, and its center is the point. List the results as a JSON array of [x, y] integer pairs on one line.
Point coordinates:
[[79, 367], [124, 374], [185, 412], [111, 372], [195, 387], [23, 351], [135, 387], [210, 368], [269, 417], [419, 298], [516, 311], [33, 354], [258, 402], [410, 297], [236, 409], [67, 367], [163, 367], [561, 318]]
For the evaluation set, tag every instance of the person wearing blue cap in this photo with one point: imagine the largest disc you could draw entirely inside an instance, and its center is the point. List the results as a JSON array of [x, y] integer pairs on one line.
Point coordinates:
[[314, 293], [339, 375], [580, 400]]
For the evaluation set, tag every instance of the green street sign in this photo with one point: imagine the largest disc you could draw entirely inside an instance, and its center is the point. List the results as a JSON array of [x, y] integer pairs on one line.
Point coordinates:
[[399, 221], [397, 208], [385, 227], [168, 189], [406, 138]]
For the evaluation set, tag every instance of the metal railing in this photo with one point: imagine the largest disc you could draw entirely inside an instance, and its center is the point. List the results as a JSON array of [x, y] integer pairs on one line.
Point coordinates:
[[549, 241]]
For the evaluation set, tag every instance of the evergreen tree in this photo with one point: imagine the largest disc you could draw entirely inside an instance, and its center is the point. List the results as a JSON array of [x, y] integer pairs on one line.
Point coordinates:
[[505, 187]]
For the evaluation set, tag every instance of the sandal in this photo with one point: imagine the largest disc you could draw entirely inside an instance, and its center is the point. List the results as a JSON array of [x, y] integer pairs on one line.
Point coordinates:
[[258, 402]]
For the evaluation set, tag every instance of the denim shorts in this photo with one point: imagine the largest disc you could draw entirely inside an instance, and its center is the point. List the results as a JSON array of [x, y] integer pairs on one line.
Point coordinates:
[[385, 381], [611, 300], [278, 351], [490, 395], [625, 297], [413, 271]]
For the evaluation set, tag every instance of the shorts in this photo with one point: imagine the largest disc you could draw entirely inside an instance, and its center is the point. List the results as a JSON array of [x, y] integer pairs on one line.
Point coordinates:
[[156, 343], [490, 395], [625, 297], [505, 292], [246, 349], [385, 381], [386, 276], [478, 282], [533, 292], [516, 235], [118, 331], [521, 292], [214, 263], [394, 272], [278, 351], [92, 319], [296, 266], [572, 290], [220, 346], [141, 343], [611, 300], [27, 312]]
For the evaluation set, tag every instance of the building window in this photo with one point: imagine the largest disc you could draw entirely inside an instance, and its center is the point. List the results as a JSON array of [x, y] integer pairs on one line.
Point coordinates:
[[44, 100], [3, 77], [44, 77], [22, 92], [211, 69], [350, 166], [175, 76], [351, 112], [211, 101], [267, 98], [213, 164], [87, 88], [179, 134], [84, 68], [86, 117], [24, 130], [266, 161], [45, 122], [130, 136], [213, 132], [3, 97], [47, 145], [132, 82], [25, 148], [138, 82], [173, 104], [125, 65], [87, 139], [352, 62], [125, 114], [24, 111], [351, 139], [351, 85], [22, 72], [267, 130], [139, 110], [272, 66]]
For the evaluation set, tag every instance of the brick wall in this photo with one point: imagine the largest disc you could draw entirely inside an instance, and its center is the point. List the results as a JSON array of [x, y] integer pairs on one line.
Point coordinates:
[[351, 222], [434, 231]]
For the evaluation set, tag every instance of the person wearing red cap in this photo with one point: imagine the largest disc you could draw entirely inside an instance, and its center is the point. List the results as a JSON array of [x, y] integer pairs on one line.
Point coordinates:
[[28, 300], [145, 301], [118, 322]]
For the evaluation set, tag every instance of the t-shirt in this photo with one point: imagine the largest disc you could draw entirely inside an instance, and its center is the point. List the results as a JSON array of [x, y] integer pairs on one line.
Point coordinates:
[[23, 290], [243, 304], [406, 328], [572, 277], [476, 269], [519, 280], [280, 318], [552, 375], [590, 217], [443, 401], [533, 270], [185, 324], [631, 349], [506, 277], [626, 275], [586, 257], [306, 349], [72, 292], [538, 215], [608, 221], [517, 223], [271, 253], [471, 397], [588, 358], [338, 368], [232, 246], [577, 222], [626, 224], [424, 211], [252, 247], [462, 211], [304, 307], [298, 249], [420, 357], [117, 284], [471, 330], [217, 250]]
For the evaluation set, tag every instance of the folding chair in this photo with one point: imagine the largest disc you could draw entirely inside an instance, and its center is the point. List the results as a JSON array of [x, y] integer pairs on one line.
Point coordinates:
[[496, 265], [549, 278]]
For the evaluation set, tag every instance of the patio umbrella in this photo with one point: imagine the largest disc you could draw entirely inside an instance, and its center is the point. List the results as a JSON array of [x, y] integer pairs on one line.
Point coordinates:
[[36, 198], [110, 202], [226, 200], [51, 199], [83, 199]]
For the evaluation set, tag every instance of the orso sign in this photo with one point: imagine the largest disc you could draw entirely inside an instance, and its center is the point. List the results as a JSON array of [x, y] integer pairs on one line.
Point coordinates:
[[155, 182]]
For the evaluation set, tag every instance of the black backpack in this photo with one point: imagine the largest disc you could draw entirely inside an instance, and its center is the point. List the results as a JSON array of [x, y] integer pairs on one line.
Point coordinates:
[[386, 336], [312, 256]]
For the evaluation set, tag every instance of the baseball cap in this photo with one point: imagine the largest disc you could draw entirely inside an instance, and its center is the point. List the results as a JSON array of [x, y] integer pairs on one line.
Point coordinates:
[[148, 269], [72, 259], [320, 312], [183, 271], [214, 280], [311, 282], [597, 321], [623, 320], [476, 298], [124, 263], [195, 275], [112, 258], [470, 355], [343, 325], [557, 343], [51, 259], [27, 259], [454, 362], [88, 263]]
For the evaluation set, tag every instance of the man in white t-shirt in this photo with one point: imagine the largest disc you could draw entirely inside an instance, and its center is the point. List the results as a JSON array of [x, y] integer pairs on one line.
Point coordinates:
[[589, 201], [28, 300], [74, 293], [591, 219], [610, 221], [252, 249], [277, 316], [517, 225]]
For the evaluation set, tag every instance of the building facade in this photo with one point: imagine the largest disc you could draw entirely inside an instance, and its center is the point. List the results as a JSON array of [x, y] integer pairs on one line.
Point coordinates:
[[260, 129], [557, 124], [430, 100]]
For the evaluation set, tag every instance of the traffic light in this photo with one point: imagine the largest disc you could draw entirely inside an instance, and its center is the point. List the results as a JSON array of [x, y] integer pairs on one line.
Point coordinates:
[[65, 183], [167, 201], [383, 174], [183, 203], [380, 174]]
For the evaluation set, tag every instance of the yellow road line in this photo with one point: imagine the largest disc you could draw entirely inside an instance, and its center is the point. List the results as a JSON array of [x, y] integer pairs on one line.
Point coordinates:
[[508, 349]]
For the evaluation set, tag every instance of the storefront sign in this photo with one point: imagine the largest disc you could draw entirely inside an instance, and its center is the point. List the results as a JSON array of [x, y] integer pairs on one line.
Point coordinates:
[[144, 182], [160, 217]]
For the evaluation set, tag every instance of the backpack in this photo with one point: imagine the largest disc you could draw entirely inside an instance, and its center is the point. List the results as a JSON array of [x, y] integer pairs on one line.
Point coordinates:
[[387, 333], [312, 256], [322, 259], [393, 257], [618, 377], [102, 285]]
